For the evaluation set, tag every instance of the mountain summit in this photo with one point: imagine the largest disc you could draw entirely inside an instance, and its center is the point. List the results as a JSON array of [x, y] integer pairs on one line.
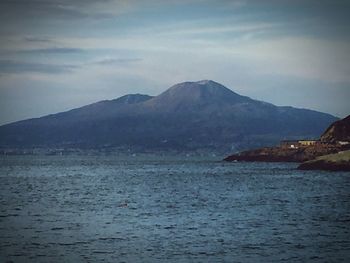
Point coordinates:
[[188, 116], [201, 90], [195, 95]]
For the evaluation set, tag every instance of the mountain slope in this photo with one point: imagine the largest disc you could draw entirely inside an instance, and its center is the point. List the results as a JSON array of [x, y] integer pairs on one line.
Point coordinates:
[[338, 131], [187, 116]]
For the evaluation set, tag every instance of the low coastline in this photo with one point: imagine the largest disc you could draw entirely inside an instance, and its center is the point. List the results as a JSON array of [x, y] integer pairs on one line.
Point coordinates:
[[332, 162], [331, 152], [283, 154]]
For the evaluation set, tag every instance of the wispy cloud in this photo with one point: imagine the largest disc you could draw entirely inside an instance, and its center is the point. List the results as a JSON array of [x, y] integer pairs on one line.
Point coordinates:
[[55, 50], [74, 9], [37, 39], [17, 67], [58, 9], [20, 67], [114, 61]]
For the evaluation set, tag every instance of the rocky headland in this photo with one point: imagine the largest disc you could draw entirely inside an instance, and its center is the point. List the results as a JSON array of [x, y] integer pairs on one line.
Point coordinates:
[[330, 152], [285, 154]]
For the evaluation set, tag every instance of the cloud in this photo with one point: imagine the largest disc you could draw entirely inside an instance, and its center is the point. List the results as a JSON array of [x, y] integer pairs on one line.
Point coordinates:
[[55, 50], [37, 39], [58, 9], [113, 61], [17, 67]]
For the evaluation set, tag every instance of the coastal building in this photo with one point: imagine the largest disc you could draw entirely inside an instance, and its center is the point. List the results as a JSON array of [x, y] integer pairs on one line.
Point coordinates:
[[289, 144], [294, 144], [307, 142]]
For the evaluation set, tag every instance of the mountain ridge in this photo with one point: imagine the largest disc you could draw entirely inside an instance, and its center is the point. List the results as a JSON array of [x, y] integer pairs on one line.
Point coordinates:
[[187, 116]]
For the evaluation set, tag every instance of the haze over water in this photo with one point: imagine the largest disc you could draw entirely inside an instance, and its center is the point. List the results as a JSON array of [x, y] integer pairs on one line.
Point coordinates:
[[169, 209]]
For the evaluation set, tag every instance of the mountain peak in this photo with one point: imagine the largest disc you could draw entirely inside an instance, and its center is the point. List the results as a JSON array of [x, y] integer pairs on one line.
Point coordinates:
[[203, 92], [200, 84], [206, 82], [203, 87]]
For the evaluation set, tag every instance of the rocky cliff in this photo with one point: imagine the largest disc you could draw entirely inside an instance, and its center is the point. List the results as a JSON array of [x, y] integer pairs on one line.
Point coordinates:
[[338, 131]]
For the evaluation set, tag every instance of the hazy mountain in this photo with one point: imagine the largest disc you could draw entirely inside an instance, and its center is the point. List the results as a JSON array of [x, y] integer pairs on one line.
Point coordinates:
[[187, 116]]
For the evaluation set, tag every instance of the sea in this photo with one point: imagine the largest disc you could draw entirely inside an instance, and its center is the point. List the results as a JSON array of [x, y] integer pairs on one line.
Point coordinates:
[[150, 208]]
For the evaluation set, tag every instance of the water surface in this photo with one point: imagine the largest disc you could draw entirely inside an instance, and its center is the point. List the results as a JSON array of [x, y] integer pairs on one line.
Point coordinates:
[[170, 209]]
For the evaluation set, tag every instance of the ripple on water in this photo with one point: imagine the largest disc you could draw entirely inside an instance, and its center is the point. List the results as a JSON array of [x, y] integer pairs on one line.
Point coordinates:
[[79, 209]]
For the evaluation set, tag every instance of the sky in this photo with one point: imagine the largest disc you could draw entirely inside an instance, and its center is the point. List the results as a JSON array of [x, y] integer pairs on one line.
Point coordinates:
[[56, 55]]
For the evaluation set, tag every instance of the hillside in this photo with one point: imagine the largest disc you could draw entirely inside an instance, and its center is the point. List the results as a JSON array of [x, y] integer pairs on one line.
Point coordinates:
[[188, 116], [338, 131]]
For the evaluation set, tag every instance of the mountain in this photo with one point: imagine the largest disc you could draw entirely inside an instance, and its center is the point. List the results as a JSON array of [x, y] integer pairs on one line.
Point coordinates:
[[189, 116], [338, 131], [192, 96]]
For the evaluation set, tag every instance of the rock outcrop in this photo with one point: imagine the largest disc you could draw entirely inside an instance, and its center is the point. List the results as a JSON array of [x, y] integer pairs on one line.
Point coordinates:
[[338, 131], [332, 162]]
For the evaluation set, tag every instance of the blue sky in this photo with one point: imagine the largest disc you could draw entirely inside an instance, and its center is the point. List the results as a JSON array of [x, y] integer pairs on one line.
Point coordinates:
[[58, 55]]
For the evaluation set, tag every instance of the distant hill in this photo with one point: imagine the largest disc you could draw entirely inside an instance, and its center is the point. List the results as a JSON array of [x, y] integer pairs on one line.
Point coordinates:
[[338, 131], [189, 116]]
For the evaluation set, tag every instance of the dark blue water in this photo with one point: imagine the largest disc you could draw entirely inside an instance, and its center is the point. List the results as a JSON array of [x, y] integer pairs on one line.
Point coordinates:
[[166, 209]]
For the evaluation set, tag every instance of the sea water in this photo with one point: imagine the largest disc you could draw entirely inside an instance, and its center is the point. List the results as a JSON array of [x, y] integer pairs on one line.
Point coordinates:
[[170, 209]]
